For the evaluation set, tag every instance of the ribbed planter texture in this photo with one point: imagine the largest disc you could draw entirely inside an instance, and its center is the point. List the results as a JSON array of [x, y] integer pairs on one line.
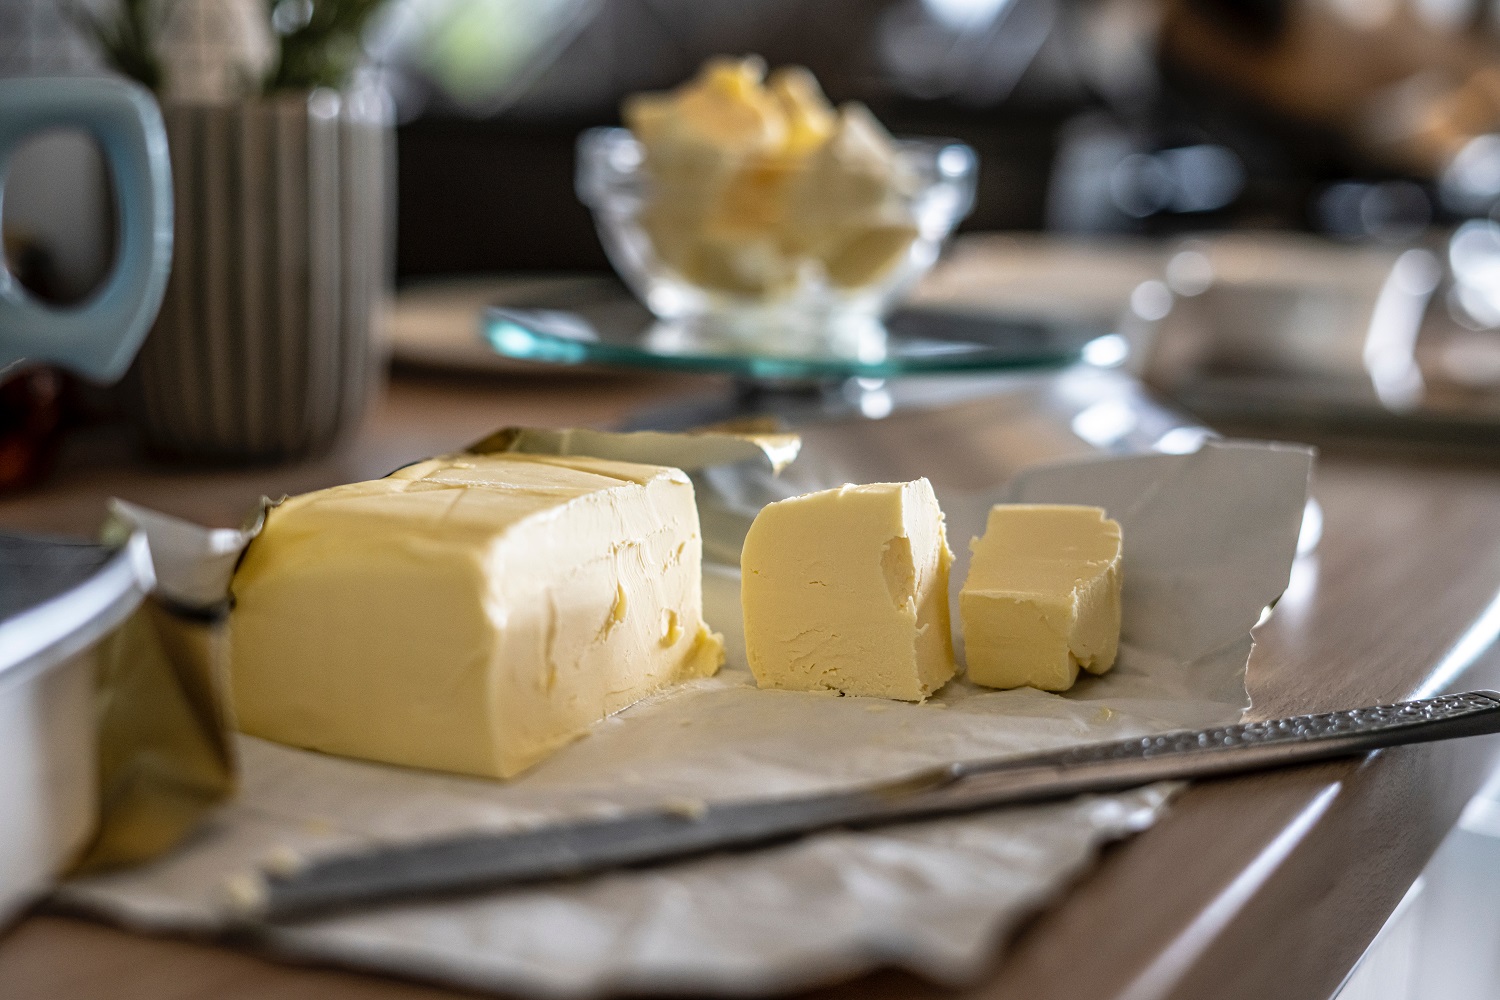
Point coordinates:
[[268, 344]]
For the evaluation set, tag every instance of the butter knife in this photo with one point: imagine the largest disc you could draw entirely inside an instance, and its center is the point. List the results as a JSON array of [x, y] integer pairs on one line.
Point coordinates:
[[493, 860]]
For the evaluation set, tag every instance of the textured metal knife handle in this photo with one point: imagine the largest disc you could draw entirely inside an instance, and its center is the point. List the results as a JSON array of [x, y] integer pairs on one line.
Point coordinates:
[[1375, 723], [483, 861], [1224, 750]]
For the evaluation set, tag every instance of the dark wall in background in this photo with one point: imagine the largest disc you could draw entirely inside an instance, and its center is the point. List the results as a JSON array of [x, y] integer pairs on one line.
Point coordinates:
[[478, 196], [1089, 116], [482, 196]]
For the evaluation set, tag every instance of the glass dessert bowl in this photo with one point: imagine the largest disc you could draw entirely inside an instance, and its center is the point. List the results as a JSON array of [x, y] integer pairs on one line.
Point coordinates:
[[760, 213]]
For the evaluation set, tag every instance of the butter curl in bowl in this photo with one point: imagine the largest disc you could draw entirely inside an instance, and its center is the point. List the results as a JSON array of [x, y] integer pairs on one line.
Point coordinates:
[[742, 190]]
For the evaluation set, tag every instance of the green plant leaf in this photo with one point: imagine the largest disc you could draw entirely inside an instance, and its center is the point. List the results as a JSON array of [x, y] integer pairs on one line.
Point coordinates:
[[126, 37], [320, 41]]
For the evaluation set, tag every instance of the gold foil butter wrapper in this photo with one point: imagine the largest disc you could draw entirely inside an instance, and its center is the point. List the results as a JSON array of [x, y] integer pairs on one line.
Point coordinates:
[[165, 757], [755, 442], [733, 466], [165, 754]]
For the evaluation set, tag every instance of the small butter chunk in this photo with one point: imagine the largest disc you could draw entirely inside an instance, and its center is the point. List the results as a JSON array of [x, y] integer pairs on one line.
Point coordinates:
[[1042, 598], [756, 179], [724, 112], [810, 119], [468, 614], [847, 590]]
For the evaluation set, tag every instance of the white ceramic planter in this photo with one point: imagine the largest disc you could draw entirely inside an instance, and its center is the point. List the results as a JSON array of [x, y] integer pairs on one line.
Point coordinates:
[[268, 345]]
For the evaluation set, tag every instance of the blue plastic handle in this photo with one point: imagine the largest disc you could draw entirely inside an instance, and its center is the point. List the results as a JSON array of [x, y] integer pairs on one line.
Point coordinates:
[[99, 338]]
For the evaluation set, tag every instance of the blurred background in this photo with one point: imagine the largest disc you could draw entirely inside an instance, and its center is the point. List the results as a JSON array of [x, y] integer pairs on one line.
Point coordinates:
[[1282, 217], [1364, 120], [1293, 159]]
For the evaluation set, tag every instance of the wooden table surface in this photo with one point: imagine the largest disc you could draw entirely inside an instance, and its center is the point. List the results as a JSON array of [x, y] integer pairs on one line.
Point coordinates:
[[1262, 886]]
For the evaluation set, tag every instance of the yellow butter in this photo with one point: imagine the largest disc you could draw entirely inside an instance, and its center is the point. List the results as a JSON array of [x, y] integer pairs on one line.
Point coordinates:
[[809, 118], [868, 254], [845, 207], [753, 177], [723, 112], [470, 613], [847, 590], [1042, 598]]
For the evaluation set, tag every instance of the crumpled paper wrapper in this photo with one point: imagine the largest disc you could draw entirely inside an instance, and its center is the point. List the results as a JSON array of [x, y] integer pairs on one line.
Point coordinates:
[[1209, 542]]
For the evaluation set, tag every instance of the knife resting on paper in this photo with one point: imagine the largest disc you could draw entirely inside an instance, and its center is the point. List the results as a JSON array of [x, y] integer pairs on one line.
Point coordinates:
[[492, 860]]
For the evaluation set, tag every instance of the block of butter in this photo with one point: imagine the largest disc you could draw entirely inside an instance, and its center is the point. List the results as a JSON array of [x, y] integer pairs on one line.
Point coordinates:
[[1042, 598], [471, 613], [847, 590]]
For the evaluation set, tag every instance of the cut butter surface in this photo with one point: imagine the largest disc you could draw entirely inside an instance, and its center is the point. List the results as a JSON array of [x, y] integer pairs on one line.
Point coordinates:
[[1042, 598], [468, 613], [847, 590]]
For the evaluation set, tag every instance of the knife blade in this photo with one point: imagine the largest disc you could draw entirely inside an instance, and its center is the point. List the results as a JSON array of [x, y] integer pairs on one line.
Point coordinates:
[[487, 861]]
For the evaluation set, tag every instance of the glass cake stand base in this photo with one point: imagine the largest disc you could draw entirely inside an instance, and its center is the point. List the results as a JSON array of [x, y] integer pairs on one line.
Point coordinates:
[[598, 322]]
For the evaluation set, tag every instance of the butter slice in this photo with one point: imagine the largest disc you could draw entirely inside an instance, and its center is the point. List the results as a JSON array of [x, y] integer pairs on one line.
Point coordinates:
[[847, 590], [470, 613], [1042, 598]]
